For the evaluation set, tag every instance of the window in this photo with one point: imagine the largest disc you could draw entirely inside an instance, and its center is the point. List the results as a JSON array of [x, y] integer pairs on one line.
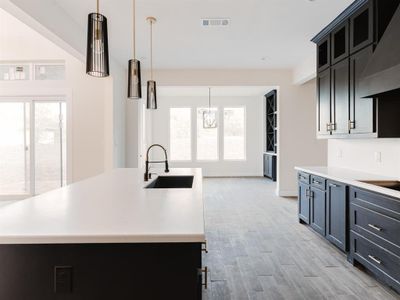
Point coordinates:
[[32, 147], [180, 134], [207, 138], [234, 133], [52, 70]]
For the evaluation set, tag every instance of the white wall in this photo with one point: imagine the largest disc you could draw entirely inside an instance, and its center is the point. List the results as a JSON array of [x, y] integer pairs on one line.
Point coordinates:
[[89, 100], [297, 110], [252, 166], [360, 155]]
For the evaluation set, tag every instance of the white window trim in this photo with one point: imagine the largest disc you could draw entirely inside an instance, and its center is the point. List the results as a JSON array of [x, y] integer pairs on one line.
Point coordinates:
[[191, 135]]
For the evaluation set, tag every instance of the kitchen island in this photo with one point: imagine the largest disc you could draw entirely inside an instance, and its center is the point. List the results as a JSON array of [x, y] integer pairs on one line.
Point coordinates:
[[106, 237]]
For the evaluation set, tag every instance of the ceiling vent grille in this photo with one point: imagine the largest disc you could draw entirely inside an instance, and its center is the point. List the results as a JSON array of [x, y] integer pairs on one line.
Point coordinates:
[[215, 22]]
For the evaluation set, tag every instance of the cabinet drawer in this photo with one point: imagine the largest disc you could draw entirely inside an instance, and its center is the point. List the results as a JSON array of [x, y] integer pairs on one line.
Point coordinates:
[[366, 221], [304, 177], [318, 182], [377, 259], [380, 203]]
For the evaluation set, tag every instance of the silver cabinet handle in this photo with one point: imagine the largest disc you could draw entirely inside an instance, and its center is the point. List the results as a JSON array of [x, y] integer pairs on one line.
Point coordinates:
[[333, 185], [328, 127], [373, 258], [375, 227], [333, 127], [205, 249], [205, 271], [316, 181]]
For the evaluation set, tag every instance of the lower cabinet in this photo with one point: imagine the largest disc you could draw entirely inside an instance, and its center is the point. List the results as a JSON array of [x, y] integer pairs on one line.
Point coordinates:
[[318, 210], [304, 203], [336, 212], [270, 165]]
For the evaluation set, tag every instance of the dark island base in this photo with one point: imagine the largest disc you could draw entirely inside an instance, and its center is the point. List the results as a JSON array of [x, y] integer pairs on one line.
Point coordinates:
[[101, 271]]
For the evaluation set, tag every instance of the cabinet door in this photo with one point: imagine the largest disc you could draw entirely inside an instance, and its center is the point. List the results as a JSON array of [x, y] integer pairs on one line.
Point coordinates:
[[340, 98], [340, 43], [336, 214], [304, 203], [324, 54], [267, 165], [324, 102], [362, 110], [362, 27], [318, 210]]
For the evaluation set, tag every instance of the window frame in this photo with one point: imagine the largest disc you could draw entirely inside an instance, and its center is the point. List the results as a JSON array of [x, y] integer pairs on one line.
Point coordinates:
[[191, 134], [218, 108], [244, 133]]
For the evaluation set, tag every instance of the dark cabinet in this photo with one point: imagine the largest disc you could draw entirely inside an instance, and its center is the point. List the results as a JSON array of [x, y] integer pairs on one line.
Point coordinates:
[[344, 48], [340, 98], [318, 210], [324, 102], [362, 27], [340, 43], [304, 202], [336, 214], [270, 166], [324, 54], [362, 111]]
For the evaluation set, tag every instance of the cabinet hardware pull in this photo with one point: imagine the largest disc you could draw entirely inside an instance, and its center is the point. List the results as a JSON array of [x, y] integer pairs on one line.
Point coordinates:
[[375, 227], [307, 193], [311, 194], [333, 185], [205, 250], [205, 271], [317, 182], [333, 127], [328, 127], [379, 262]]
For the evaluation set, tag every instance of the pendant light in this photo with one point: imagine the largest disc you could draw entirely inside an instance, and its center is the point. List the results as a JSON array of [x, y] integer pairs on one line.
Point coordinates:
[[97, 61], [151, 84], [209, 116], [134, 76]]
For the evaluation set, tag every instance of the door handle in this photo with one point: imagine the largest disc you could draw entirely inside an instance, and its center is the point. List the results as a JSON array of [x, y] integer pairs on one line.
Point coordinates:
[[205, 271]]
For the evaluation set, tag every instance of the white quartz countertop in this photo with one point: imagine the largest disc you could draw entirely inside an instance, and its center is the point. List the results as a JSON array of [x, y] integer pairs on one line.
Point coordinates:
[[113, 207], [352, 177]]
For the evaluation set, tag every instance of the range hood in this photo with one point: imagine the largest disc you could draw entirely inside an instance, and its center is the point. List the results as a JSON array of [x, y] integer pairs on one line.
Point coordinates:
[[382, 73]]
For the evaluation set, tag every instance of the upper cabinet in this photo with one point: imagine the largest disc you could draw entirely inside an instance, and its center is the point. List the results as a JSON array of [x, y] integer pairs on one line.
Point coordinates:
[[344, 49], [361, 27]]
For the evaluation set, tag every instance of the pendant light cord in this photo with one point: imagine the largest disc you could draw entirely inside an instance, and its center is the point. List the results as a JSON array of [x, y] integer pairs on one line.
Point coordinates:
[[209, 100], [134, 30], [98, 6], [151, 49]]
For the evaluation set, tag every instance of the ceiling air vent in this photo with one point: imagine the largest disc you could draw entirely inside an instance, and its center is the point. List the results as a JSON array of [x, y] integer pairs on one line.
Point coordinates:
[[215, 22]]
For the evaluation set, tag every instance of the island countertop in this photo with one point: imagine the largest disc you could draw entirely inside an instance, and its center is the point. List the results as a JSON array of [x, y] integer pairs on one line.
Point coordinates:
[[113, 207]]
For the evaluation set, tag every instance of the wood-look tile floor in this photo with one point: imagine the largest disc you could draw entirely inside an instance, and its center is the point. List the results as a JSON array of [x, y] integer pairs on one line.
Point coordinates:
[[258, 250]]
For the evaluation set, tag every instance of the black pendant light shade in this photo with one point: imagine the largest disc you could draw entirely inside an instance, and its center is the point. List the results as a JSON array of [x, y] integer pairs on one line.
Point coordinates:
[[97, 61], [151, 94], [134, 80]]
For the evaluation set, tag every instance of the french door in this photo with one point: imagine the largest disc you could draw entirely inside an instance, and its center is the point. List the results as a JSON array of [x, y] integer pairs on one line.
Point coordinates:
[[32, 147]]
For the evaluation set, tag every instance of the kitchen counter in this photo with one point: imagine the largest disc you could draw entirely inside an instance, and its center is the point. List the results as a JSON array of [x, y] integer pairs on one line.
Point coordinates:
[[352, 177], [113, 207]]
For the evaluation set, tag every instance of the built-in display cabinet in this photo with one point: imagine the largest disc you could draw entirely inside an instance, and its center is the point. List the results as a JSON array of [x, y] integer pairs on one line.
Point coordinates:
[[363, 224], [344, 48], [271, 118]]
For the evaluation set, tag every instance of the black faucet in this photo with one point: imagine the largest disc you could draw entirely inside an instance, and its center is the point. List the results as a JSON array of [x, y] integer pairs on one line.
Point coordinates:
[[147, 175]]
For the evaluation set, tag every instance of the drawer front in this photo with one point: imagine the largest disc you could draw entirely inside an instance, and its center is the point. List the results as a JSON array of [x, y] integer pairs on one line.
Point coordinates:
[[318, 182], [380, 203], [304, 177], [377, 259], [364, 220]]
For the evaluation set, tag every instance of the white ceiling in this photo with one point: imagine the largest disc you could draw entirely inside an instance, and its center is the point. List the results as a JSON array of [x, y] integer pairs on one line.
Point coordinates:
[[277, 30]]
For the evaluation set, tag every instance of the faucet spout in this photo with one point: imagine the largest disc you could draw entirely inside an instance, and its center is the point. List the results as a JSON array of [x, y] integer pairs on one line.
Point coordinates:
[[146, 175]]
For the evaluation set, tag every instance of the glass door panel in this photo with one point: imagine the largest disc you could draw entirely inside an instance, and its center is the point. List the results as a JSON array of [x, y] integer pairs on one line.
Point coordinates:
[[49, 146], [14, 148]]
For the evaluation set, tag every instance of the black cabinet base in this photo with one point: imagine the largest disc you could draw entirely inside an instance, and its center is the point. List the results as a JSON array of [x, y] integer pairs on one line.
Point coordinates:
[[100, 271]]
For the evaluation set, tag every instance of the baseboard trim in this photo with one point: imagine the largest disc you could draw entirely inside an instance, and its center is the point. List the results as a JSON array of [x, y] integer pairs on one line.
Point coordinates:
[[287, 193]]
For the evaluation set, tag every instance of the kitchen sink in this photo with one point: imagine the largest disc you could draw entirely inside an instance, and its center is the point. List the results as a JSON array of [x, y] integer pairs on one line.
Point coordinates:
[[171, 182], [390, 184]]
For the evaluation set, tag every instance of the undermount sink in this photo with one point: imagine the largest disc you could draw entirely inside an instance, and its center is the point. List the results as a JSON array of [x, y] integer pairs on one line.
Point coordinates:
[[390, 184], [171, 182]]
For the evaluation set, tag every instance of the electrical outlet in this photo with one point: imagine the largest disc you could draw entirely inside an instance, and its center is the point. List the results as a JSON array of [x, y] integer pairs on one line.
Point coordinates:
[[63, 279], [378, 157]]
